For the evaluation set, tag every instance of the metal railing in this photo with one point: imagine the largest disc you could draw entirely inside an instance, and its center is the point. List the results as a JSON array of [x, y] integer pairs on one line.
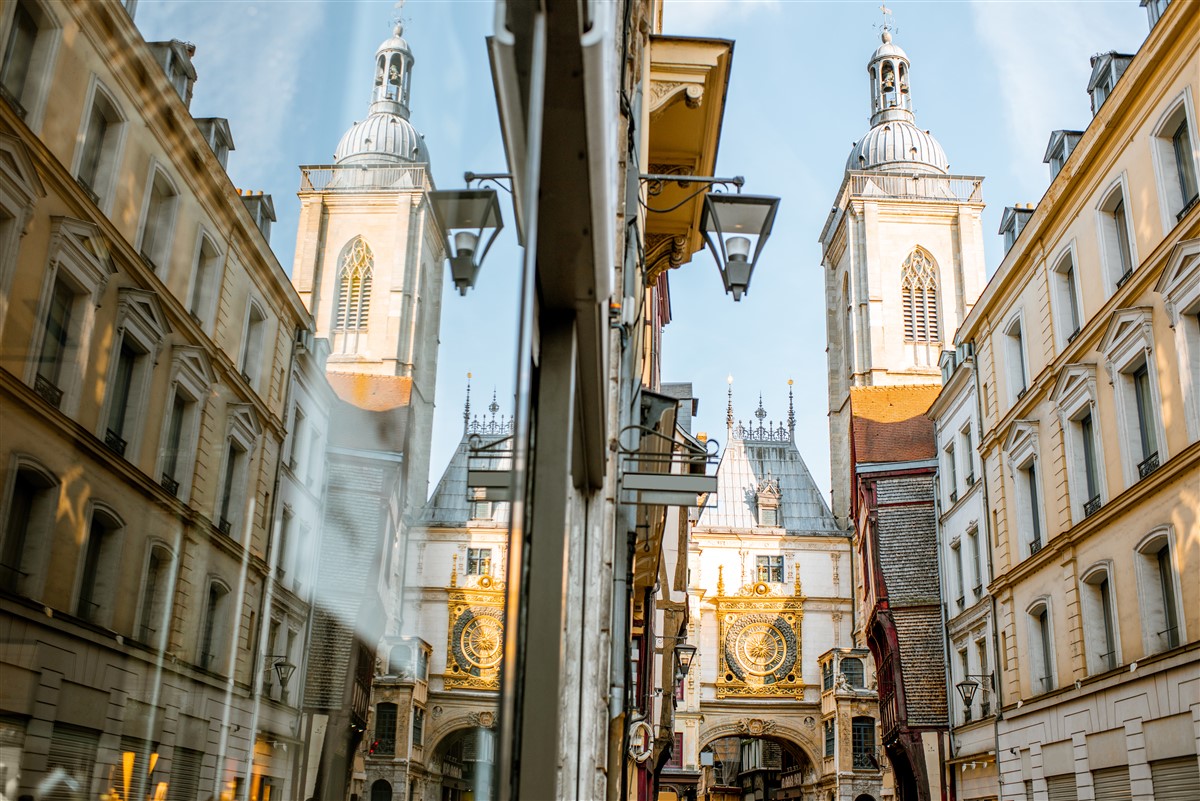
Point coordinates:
[[1092, 506], [945, 188], [11, 99], [1034, 547], [47, 390], [866, 758], [363, 178], [113, 440], [169, 483], [1187, 207], [1148, 465], [1124, 279]]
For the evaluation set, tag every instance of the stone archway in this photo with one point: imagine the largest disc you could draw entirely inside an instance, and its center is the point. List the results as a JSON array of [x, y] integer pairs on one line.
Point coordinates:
[[462, 764], [758, 757]]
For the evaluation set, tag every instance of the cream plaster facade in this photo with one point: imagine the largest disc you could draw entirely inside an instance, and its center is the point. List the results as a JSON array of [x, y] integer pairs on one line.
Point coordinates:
[[1090, 451]]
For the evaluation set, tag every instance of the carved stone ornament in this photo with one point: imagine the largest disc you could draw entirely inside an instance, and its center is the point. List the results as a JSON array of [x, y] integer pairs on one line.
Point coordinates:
[[475, 637], [760, 644], [810, 722], [755, 727], [485, 720]]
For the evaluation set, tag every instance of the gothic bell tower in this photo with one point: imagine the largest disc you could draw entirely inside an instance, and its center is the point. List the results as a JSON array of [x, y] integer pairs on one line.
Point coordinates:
[[902, 254], [369, 259]]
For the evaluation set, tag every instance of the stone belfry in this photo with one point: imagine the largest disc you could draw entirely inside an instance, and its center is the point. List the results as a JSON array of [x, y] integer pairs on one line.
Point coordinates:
[[369, 256], [902, 254]]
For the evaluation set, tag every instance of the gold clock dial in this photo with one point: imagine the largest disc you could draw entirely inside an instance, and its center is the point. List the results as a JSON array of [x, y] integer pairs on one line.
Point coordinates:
[[480, 641], [760, 648]]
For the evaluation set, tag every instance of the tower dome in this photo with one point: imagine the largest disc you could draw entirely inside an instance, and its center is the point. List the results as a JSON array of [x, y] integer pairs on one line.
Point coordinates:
[[386, 136], [894, 143]]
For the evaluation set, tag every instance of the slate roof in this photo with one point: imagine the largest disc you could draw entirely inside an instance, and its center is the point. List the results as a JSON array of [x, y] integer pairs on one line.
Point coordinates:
[[888, 424], [450, 505], [746, 463]]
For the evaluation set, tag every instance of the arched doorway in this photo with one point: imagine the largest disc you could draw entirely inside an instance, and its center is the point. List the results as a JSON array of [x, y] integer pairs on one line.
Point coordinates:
[[736, 768], [466, 760], [381, 790]]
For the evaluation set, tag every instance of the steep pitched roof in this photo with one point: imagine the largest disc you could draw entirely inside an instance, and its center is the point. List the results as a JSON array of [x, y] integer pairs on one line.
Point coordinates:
[[450, 504], [745, 467], [888, 424]]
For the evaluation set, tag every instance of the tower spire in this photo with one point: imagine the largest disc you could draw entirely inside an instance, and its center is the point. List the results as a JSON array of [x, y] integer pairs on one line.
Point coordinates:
[[791, 420], [467, 406], [729, 404]]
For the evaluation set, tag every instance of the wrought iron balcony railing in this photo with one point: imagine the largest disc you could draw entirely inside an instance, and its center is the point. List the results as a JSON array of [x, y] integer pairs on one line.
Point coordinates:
[[1034, 547], [866, 758], [1148, 465], [362, 178], [48, 391], [1124, 279], [169, 483], [1091, 507], [11, 99], [1187, 207], [113, 440], [225, 526]]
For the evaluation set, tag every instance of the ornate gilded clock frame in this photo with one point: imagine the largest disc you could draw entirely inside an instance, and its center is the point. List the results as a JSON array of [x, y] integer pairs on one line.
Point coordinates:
[[759, 653], [475, 633]]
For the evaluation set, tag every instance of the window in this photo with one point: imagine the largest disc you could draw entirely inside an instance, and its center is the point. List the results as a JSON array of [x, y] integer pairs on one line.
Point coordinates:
[[479, 561], [976, 562], [1059, 149], [985, 689], [918, 286], [968, 449], [1116, 236], [1107, 69], [1041, 648], [951, 474], [1091, 483], [216, 132], [1017, 372], [205, 277], [852, 669], [156, 594], [28, 56], [72, 761], [235, 468], [385, 730], [418, 726], [29, 528], [99, 152], [1075, 395], [158, 220], [191, 377], [101, 573], [1099, 627], [1159, 593], [675, 762], [481, 507], [252, 344], [829, 738], [1175, 162], [56, 340], [352, 313], [1066, 299], [960, 585], [827, 676], [130, 361], [769, 568], [1034, 504], [213, 631], [141, 327], [1155, 9]]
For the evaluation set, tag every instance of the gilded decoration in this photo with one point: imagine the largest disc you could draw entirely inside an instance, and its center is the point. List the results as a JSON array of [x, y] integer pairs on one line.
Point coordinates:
[[760, 641], [475, 637]]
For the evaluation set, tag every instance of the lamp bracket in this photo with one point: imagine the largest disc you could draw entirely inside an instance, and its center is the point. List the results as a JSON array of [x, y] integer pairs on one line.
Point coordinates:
[[490, 177], [656, 182]]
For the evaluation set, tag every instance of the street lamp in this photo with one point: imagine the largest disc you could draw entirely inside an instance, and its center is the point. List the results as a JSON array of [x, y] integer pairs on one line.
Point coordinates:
[[968, 687], [734, 219], [684, 653], [283, 669], [466, 216]]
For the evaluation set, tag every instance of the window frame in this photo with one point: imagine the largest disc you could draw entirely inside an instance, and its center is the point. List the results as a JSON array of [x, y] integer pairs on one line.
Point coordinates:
[[115, 529], [203, 308], [113, 150], [1022, 454], [476, 560], [159, 261], [33, 557], [20, 190], [141, 322], [1041, 646], [1179, 286], [1101, 623], [1152, 606], [153, 546], [43, 57], [1075, 395], [213, 627], [1108, 233], [191, 376], [1127, 345], [773, 564], [1016, 357], [1179, 111], [1067, 297], [243, 431], [254, 342]]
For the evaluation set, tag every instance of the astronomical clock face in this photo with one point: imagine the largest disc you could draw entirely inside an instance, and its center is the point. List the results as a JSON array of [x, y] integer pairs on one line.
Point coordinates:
[[761, 649], [479, 639], [475, 639]]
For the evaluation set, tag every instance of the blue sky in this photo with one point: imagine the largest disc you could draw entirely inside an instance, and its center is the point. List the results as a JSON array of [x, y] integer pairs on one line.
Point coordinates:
[[989, 79]]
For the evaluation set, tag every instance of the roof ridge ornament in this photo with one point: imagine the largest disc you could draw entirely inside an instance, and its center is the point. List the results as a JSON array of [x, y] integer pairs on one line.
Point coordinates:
[[791, 418]]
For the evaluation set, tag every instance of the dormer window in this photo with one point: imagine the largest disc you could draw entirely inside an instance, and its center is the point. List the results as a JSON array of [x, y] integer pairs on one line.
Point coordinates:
[[768, 503], [1013, 221], [1062, 143], [262, 211], [175, 57], [1155, 9], [1107, 69], [216, 133]]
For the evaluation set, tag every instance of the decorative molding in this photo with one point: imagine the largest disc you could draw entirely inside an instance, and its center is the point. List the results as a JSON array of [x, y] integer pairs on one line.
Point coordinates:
[[664, 252]]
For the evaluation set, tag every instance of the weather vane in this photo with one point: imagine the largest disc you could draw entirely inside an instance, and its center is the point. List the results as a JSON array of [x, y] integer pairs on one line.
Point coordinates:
[[397, 18], [889, 20]]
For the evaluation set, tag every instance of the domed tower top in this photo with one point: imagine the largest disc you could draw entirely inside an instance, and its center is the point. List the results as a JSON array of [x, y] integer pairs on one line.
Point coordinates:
[[894, 143], [386, 136]]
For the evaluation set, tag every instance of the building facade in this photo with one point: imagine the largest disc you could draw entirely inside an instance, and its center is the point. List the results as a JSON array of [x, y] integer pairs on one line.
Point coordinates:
[[1085, 343], [153, 609]]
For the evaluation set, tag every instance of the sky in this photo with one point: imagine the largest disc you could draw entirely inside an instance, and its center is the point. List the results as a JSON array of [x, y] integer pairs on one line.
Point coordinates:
[[990, 79]]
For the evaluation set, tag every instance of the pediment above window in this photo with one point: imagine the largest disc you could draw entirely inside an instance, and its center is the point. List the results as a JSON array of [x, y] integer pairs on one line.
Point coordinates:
[[1021, 443], [141, 314], [1129, 334], [82, 248], [1180, 281], [1075, 387], [243, 424], [191, 368], [18, 178]]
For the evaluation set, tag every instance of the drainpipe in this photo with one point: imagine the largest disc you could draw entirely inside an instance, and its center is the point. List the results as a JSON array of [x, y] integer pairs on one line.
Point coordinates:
[[948, 775]]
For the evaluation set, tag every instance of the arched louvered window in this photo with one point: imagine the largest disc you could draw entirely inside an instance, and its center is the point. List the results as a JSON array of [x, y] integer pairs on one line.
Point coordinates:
[[354, 295], [918, 286]]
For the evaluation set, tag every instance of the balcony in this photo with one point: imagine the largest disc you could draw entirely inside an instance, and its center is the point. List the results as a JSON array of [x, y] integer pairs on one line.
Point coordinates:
[[1148, 465], [1021, 392], [985, 709], [970, 479], [953, 496], [170, 484], [87, 188], [225, 526], [1034, 547], [353, 178], [113, 440], [866, 757], [1124, 279], [1187, 207], [11, 99], [1071, 336], [48, 392], [1091, 507]]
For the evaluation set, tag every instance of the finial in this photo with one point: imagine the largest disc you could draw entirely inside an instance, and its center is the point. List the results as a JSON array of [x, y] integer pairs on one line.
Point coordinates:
[[791, 412], [397, 21], [729, 404], [798, 591], [720, 579], [888, 25], [467, 406], [454, 570], [493, 407], [760, 412]]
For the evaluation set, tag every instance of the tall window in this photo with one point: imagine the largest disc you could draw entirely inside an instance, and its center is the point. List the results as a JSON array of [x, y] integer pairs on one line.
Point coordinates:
[[1067, 299], [968, 449], [252, 345], [770, 568], [1033, 518], [918, 286], [1175, 160], [385, 729], [1017, 376], [24, 75], [122, 411], [204, 279], [1041, 648], [479, 561], [214, 625], [156, 597], [829, 738], [951, 473], [173, 447], [158, 221], [1116, 237], [55, 341], [852, 668], [1100, 634], [976, 561], [961, 586], [18, 55], [354, 296], [101, 568], [1185, 165], [231, 486], [99, 152], [27, 531], [1144, 403], [1159, 595], [418, 726]]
